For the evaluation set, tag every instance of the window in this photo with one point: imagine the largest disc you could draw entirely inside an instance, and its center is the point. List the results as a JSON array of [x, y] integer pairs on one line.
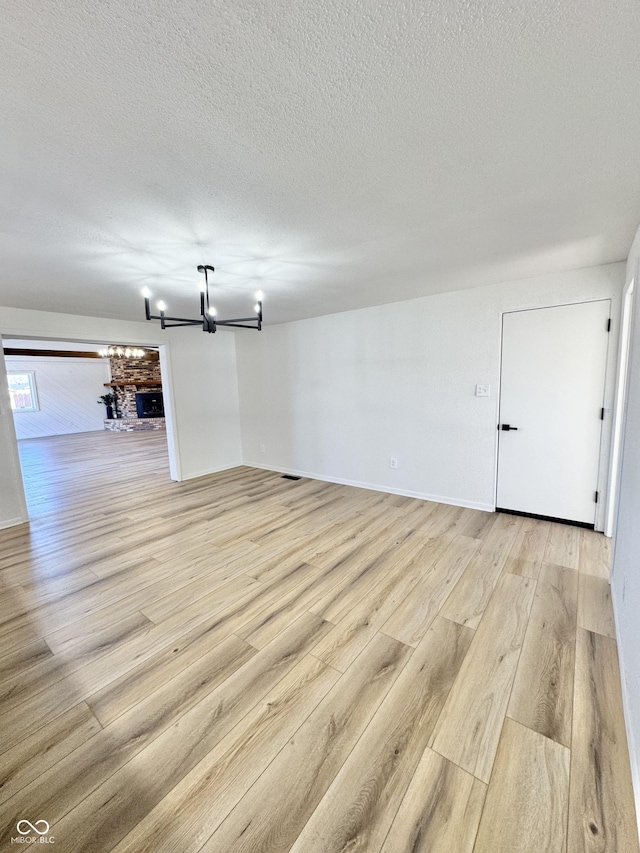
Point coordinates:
[[22, 390]]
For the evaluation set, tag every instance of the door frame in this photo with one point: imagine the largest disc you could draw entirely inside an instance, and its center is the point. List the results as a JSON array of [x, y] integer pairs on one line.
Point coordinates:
[[629, 301], [611, 372]]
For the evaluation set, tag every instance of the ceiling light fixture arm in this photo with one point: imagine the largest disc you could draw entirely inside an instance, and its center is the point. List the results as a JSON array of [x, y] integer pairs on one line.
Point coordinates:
[[207, 320]]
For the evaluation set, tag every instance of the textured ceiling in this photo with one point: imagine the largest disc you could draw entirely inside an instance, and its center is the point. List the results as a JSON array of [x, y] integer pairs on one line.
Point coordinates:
[[332, 154]]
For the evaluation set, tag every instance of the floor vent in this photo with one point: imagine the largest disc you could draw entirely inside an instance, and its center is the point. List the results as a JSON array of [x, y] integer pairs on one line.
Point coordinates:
[[289, 477]]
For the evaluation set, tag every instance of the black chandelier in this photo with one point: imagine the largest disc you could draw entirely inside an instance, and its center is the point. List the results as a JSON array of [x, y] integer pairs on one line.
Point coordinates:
[[207, 321]]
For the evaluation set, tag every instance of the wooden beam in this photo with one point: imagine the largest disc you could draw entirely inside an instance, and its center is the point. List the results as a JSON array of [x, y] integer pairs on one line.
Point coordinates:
[[150, 355], [48, 353]]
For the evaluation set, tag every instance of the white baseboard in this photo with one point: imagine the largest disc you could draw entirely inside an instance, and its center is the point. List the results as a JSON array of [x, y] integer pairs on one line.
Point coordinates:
[[423, 496], [631, 743], [13, 522], [208, 471]]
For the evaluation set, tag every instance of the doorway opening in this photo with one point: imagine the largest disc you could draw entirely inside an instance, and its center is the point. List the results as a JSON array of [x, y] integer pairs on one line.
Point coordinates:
[[78, 414]]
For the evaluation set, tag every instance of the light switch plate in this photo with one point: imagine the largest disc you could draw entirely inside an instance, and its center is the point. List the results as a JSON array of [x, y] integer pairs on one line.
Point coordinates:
[[483, 390]]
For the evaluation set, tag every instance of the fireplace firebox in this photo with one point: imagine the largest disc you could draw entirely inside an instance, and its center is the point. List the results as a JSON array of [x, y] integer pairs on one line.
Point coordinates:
[[150, 405]]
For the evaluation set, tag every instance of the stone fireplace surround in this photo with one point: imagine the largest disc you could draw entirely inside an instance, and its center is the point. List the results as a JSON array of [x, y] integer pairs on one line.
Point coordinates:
[[129, 375]]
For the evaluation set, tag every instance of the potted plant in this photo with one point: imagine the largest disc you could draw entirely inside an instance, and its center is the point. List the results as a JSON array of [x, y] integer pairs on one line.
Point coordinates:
[[108, 400]]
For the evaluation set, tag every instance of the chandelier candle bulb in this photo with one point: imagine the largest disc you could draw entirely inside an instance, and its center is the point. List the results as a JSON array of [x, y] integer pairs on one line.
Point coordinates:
[[162, 308], [147, 308]]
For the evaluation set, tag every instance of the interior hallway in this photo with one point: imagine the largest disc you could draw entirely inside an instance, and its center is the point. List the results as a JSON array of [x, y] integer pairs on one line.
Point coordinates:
[[242, 662]]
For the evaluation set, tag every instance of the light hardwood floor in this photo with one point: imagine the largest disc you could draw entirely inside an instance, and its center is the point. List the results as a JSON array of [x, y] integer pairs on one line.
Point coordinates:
[[243, 663]]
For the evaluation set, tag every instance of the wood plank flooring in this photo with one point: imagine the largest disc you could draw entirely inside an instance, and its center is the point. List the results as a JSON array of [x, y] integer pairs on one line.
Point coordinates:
[[245, 663]]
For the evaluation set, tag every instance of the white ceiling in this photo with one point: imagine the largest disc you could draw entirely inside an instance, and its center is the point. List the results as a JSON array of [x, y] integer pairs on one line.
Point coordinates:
[[333, 154]]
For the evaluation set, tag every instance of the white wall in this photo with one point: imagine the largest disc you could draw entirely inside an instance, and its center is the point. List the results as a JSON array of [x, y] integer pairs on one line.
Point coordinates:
[[335, 397], [199, 376], [625, 583], [67, 391], [205, 408]]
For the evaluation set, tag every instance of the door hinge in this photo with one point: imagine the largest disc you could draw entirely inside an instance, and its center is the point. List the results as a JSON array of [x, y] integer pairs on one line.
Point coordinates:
[[596, 497], [601, 414], [609, 324]]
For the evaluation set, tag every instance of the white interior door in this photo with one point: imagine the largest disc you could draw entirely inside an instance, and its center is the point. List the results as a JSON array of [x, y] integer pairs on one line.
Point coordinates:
[[551, 397]]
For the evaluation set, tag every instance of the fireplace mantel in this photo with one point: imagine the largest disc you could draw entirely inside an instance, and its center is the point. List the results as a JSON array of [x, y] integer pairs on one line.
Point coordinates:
[[141, 382]]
